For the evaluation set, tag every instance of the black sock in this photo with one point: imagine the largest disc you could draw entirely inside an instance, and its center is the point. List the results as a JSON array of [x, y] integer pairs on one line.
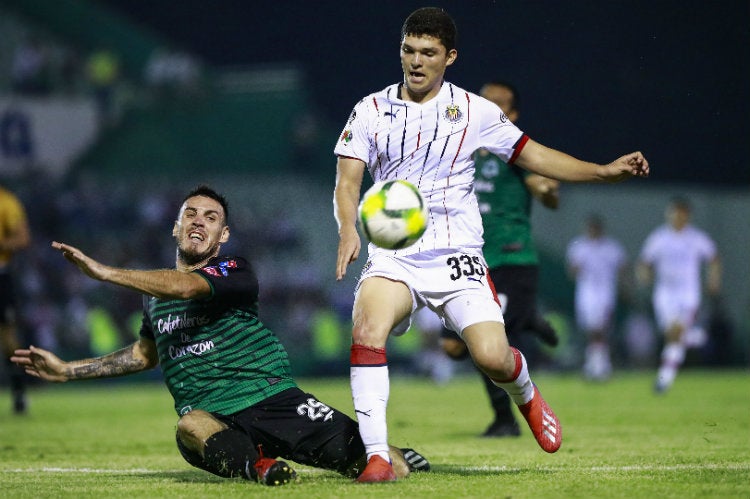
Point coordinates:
[[230, 453], [500, 401], [16, 378]]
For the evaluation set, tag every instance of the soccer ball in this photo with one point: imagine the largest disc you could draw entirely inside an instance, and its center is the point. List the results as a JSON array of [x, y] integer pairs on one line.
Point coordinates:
[[393, 214]]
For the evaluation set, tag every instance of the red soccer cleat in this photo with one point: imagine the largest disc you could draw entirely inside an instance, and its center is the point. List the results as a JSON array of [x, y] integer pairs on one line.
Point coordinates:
[[272, 472], [377, 470], [543, 423]]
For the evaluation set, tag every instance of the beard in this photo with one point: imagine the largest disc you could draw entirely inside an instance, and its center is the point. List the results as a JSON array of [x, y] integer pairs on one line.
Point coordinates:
[[191, 258]]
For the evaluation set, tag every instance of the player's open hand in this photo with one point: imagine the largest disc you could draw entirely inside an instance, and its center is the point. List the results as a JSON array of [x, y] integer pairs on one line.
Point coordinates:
[[630, 165], [88, 265], [40, 363], [349, 247]]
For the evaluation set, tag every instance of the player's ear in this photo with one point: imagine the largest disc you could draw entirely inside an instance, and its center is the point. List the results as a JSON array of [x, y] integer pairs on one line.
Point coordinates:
[[451, 57], [175, 229], [224, 234]]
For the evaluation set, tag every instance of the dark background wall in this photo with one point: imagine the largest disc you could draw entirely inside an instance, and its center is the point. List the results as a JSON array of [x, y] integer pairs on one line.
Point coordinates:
[[597, 78]]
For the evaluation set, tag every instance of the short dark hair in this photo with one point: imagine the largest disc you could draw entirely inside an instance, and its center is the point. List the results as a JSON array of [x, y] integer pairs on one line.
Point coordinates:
[[206, 191], [595, 221], [431, 21], [509, 86], [681, 203]]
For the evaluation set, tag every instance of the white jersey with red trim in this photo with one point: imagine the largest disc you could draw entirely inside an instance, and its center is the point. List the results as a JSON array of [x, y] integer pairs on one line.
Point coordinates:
[[431, 145], [677, 258], [598, 262]]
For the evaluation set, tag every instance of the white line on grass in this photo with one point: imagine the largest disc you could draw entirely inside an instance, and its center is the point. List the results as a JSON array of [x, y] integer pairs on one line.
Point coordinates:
[[610, 469], [505, 469]]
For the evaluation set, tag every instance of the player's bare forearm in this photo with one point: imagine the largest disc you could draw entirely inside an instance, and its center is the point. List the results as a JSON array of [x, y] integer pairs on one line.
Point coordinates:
[[644, 274], [348, 251], [546, 190], [43, 364], [714, 276], [349, 173], [165, 283], [129, 360], [555, 164]]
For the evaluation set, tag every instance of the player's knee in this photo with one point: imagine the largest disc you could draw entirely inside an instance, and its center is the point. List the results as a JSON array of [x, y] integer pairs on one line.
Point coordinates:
[[369, 333], [498, 365], [191, 420], [454, 348], [196, 426], [673, 333]]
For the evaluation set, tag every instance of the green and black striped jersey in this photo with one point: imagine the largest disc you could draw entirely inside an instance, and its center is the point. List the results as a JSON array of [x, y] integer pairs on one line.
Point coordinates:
[[505, 205], [216, 354]]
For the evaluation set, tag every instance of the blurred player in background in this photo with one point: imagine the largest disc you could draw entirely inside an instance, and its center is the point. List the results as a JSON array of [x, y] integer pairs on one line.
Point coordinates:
[[426, 130], [597, 263], [15, 235], [229, 375], [505, 194], [672, 259]]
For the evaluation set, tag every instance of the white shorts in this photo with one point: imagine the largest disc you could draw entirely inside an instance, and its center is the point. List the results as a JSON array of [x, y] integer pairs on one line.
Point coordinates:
[[594, 309], [671, 309], [455, 285]]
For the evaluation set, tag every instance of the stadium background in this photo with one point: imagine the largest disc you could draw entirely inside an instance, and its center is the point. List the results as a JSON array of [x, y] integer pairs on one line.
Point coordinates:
[[250, 97]]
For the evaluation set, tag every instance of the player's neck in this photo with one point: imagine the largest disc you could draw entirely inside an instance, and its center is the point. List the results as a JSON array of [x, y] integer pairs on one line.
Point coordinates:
[[405, 94]]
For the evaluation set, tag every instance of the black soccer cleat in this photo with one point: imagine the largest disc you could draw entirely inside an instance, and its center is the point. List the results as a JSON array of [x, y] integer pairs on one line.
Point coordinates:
[[272, 472], [500, 429], [415, 460]]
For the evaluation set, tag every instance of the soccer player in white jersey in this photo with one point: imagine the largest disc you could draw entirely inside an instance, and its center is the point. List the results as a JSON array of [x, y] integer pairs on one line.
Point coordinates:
[[597, 262], [425, 130], [673, 257]]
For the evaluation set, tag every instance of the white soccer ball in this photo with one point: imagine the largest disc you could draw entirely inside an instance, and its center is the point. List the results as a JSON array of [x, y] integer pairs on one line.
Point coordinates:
[[393, 214]]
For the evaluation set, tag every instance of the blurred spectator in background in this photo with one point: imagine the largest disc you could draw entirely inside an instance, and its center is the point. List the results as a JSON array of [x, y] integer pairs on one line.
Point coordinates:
[[505, 194], [172, 73], [672, 258], [597, 263], [15, 235], [30, 71], [103, 74]]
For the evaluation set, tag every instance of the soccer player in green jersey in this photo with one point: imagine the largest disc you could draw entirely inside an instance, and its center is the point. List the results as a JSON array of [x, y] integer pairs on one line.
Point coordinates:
[[505, 194], [229, 375]]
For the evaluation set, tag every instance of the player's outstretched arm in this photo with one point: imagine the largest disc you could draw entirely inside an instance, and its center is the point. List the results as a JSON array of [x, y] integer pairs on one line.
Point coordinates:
[[43, 364], [168, 284], [552, 163]]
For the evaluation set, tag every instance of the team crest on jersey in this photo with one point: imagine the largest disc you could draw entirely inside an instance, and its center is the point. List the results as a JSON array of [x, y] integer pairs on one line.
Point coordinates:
[[346, 137], [453, 113], [221, 269]]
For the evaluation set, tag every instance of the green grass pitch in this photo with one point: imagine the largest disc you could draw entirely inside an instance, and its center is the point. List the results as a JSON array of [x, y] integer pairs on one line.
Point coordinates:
[[116, 440]]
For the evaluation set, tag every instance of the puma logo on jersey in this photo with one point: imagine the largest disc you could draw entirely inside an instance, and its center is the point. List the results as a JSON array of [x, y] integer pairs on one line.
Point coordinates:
[[393, 114]]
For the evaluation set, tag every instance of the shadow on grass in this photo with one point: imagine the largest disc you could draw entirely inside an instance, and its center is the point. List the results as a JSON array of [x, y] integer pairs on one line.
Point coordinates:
[[453, 469], [183, 476]]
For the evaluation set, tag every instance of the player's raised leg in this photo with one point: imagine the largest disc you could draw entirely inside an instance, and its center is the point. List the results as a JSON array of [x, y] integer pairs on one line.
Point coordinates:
[[507, 368]]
